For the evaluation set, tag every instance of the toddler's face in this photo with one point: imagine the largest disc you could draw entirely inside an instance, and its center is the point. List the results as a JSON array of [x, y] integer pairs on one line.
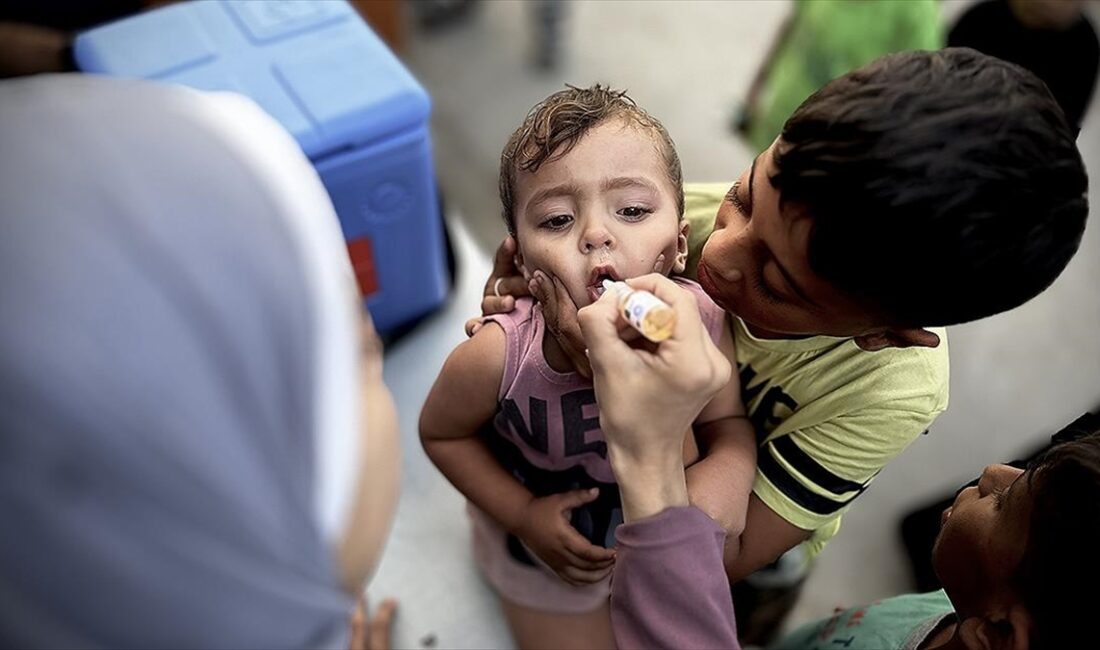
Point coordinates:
[[604, 210]]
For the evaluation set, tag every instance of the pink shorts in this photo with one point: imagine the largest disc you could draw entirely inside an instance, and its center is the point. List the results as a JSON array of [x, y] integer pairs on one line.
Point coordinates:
[[535, 587]]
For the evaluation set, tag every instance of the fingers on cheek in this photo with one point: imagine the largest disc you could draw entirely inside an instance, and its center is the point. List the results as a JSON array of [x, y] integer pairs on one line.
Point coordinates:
[[535, 289], [515, 286]]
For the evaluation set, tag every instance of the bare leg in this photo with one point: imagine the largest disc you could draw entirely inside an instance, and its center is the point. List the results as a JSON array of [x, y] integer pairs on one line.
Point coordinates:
[[537, 630]]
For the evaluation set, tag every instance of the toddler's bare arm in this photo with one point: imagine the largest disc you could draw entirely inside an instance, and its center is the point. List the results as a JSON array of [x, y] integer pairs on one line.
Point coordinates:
[[462, 400]]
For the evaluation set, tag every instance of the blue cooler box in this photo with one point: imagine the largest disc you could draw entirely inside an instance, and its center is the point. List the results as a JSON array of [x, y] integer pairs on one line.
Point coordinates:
[[355, 110]]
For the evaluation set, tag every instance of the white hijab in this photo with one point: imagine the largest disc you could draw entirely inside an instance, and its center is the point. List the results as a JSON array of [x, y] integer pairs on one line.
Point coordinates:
[[178, 380]]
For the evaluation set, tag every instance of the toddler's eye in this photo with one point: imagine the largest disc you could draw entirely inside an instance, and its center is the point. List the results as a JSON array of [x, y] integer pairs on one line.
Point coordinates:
[[557, 222], [634, 213]]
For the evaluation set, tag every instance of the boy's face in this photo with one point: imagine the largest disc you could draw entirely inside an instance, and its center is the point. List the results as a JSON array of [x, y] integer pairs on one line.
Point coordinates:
[[982, 540], [756, 265], [604, 210]]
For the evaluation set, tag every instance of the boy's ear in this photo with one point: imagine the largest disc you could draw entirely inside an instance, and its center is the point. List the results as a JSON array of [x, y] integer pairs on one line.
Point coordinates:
[[1010, 632], [897, 338], [682, 247]]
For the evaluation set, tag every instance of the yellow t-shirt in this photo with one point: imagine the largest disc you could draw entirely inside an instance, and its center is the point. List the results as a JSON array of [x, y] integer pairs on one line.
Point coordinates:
[[827, 414]]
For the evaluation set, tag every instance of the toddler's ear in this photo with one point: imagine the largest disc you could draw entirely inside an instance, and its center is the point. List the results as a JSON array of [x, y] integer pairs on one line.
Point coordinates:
[[682, 247]]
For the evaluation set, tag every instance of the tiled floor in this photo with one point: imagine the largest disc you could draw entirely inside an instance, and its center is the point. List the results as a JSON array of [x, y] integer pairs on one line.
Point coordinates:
[[1014, 377]]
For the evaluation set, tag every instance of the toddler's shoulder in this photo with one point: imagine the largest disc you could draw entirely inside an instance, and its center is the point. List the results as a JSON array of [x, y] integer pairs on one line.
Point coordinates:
[[714, 317]]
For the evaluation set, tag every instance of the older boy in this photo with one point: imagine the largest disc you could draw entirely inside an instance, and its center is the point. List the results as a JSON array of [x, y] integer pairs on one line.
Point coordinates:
[[1015, 554]]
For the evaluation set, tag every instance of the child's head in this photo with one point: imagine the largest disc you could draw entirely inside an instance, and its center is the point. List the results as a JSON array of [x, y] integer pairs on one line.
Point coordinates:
[[926, 188], [591, 187], [1017, 553]]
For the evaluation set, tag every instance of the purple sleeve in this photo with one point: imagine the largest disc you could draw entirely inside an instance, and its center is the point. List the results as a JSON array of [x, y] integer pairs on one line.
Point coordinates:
[[670, 588]]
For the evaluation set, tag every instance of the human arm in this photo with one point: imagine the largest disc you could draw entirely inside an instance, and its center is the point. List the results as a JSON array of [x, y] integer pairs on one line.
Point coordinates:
[[649, 394], [647, 398], [720, 483], [462, 400], [809, 477], [675, 554], [766, 537]]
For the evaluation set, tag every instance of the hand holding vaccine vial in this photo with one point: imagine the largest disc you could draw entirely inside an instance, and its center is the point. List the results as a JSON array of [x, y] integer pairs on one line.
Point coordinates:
[[644, 311]]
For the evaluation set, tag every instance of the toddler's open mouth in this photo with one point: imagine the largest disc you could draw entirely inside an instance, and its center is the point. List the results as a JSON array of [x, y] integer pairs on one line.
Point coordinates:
[[597, 277]]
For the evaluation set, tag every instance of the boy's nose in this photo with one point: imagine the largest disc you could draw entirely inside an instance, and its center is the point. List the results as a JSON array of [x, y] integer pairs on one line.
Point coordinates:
[[996, 477], [986, 482]]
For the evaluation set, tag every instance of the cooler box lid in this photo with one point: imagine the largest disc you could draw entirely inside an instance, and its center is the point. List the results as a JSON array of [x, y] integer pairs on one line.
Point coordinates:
[[314, 66]]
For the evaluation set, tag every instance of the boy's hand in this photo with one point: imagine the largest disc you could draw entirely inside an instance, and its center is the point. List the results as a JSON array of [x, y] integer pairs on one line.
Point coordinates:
[[505, 284], [546, 531]]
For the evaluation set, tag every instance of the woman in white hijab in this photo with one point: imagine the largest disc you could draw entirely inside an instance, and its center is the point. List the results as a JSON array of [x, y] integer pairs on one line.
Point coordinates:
[[196, 446]]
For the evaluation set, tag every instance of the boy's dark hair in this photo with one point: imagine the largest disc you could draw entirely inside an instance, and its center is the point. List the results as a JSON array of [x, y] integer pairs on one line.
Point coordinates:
[[943, 186], [1060, 570], [554, 126]]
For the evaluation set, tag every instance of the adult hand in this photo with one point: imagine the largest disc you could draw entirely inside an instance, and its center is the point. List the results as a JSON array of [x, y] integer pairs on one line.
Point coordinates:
[[374, 635], [547, 532], [505, 284], [649, 395]]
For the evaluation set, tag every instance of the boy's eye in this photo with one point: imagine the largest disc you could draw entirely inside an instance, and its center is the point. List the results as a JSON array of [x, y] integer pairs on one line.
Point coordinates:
[[999, 498], [557, 222], [769, 294], [733, 196], [634, 213]]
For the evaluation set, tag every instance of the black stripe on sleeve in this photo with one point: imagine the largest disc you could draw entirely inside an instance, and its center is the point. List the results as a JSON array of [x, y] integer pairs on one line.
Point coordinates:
[[788, 450], [794, 490]]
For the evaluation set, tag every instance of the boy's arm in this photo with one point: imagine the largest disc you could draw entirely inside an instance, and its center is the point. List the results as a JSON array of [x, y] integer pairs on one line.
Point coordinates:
[[765, 538], [807, 478], [721, 482]]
